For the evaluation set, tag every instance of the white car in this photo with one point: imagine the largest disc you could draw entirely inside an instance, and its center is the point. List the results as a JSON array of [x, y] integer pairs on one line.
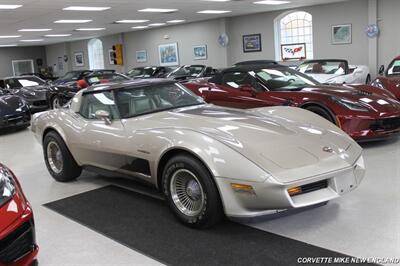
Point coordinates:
[[335, 71], [208, 160]]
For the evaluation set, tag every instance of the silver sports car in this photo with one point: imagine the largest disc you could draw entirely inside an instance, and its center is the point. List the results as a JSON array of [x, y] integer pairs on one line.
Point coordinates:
[[208, 160]]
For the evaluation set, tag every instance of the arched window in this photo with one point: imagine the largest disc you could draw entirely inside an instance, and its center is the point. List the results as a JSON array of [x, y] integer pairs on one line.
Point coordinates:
[[96, 55], [292, 28]]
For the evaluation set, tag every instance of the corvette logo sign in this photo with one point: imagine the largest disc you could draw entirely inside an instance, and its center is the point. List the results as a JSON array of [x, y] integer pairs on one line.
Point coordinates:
[[294, 51]]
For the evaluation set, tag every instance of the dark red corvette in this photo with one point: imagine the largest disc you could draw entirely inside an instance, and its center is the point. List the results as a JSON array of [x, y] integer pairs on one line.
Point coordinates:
[[389, 79], [362, 111], [17, 234]]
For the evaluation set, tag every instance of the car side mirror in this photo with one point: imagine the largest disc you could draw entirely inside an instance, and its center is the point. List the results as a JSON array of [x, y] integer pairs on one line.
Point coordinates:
[[382, 70], [248, 88], [103, 115]]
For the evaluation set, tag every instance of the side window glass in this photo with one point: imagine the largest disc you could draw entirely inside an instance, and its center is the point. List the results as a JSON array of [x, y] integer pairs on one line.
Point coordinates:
[[93, 102], [235, 79]]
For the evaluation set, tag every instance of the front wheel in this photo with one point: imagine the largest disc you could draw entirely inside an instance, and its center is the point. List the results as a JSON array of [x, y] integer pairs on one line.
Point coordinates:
[[59, 161], [191, 193], [56, 102], [321, 112]]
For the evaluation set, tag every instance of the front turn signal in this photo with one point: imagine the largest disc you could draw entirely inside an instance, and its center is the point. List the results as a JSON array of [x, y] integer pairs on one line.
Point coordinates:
[[294, 191], [243, 188]]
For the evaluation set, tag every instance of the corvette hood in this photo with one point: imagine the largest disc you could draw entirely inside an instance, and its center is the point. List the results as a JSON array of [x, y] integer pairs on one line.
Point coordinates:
[[272, 139], [9, 104], [38, 92], [374, 99]]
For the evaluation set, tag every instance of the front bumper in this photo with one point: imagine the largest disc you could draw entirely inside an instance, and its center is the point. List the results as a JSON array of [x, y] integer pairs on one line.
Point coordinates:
[[369, 128], [22, 119], [18, 247], [272, 196]]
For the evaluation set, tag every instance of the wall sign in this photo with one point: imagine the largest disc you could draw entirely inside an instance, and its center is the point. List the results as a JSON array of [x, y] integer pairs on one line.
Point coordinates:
[[295, 51], [252, 43], [341, 34], [168, 54], [372, 31]]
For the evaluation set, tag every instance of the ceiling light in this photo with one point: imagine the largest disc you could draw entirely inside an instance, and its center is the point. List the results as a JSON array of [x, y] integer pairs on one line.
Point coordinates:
[[140, 27], [9, 36], [57, 35], [86, 8], [132, 21], [271, 2], [32, 40], [216, 0], [213, 11], [156, 24], [34, 30], [176, 21], [10, 6], [8, 45], [90, 29], [158, 10], [76, 21]]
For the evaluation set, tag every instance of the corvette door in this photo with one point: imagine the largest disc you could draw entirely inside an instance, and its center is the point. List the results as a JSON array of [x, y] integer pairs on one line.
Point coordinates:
[[99, 143]]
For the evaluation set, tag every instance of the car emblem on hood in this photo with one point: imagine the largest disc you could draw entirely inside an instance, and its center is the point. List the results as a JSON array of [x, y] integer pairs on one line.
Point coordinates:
[[327, 149]]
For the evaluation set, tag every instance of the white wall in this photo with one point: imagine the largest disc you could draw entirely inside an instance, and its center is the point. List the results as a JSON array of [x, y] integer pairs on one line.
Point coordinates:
[[354, 12], [7, 55], [186, 35]]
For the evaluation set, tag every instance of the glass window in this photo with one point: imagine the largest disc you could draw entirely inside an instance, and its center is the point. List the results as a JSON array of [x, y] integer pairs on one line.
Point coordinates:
[[298, 26], [140, 101], [96, 55], [323, 67], [394, 68], [17, 83], [93, 102], [235, 79], [284, 79]]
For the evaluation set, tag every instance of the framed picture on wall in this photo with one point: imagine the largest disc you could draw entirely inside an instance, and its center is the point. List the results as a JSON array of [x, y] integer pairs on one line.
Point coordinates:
[[111, 56], [200, 52], [295, 51], [252, 43], [341, 34], [79, 59], [168, 54], [141, 56]]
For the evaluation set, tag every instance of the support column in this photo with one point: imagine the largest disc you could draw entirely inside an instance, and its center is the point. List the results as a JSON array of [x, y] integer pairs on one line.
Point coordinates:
[[373, 42]]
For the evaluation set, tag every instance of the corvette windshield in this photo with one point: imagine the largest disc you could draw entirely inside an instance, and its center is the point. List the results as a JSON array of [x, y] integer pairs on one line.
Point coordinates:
[[145, 100], [188, 71], [323, 67], [283, 79], [16, 83], [105, 78], [141, 71], [394, 68]]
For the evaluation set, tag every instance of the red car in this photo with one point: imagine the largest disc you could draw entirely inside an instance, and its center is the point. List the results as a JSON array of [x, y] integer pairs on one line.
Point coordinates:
[[362, 111], [389, 79], [17, 233]]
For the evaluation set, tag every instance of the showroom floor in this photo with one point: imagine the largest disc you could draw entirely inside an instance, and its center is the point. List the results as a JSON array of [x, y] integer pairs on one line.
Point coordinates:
[[364, 223]]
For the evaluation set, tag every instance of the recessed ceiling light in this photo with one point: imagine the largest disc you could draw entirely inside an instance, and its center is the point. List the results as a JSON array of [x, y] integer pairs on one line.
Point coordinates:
[[217, 0], [34, 30], [9, 36], [76, 21], [57, 35], [132, 21], [158, 10], [10, 6], [140, 27], [176, 21], [271, 2], [8, 45], [213, 11], [90, 29], [87, 8], [32, 40], [156, 24]]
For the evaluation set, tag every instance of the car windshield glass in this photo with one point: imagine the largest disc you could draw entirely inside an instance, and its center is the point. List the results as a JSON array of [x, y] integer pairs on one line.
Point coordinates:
[[277, 79], [145, 100], [323, 67], [188, 71], [105, 78], [24, 82], [143, 72], [394, 68]]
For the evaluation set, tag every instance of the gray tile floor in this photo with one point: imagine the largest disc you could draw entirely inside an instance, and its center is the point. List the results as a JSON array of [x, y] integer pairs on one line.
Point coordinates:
[[365, 223]]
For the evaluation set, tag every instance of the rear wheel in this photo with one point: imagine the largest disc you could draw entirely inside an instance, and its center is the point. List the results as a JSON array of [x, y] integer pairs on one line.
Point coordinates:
[[56, 102], [191, 193], [59, 161], [321, 112]]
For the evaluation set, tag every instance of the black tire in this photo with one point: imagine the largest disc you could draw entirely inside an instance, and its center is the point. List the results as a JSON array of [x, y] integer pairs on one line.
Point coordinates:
[[212, 212], [70, 170], [321, 112], [55, 102], [368, 81]]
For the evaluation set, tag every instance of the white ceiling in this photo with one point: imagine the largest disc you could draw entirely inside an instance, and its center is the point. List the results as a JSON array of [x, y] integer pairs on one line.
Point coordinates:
[[42, 14]]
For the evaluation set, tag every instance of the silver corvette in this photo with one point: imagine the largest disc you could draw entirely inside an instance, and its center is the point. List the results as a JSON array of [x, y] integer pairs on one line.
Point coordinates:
[[208, 160]]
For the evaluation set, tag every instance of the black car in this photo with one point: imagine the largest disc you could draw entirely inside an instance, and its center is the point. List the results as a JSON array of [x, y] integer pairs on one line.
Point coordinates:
[[149, 72], [39, 94], [14, 112], [192, 71], [73, 76], [100, 78]]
